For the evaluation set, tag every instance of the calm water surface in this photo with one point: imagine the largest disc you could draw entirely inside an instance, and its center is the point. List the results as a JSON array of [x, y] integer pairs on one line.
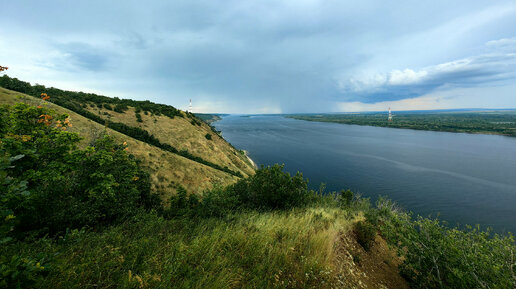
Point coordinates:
[[463, 178]]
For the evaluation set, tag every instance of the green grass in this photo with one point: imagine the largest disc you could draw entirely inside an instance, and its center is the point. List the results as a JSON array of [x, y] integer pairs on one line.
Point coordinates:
[[290, 249]]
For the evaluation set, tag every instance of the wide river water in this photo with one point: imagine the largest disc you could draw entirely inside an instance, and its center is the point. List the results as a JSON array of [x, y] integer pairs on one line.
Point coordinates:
[[460, 178]]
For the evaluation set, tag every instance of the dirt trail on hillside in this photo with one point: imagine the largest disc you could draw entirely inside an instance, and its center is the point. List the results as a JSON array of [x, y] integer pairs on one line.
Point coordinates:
[[376, 268]]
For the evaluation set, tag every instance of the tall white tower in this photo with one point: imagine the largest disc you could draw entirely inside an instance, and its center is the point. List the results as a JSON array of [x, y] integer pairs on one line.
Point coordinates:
[[390, 114], [190, 106]]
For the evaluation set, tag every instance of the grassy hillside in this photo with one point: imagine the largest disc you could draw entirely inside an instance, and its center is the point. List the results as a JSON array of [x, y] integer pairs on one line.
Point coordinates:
[[183, 133], [160, 125], [303, 248], [167, 169]]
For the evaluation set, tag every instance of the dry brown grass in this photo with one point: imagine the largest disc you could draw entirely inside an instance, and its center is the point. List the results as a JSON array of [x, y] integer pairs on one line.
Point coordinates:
[[167, 170], [181, 134]]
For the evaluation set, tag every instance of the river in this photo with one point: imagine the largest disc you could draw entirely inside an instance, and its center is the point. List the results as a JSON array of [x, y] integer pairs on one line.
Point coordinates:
[[460, 178]]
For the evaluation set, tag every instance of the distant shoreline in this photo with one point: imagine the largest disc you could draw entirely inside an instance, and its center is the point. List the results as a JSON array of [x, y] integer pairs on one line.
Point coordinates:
[[490, 123], [246, 153]]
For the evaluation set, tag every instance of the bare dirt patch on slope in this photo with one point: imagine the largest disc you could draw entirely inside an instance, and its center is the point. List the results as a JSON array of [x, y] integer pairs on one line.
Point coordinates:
[[358, 268]]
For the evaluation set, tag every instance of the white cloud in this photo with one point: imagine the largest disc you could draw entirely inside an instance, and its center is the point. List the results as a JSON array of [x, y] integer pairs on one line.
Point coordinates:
[[407, 76], [502, 42], [482, 69], [452, 66]]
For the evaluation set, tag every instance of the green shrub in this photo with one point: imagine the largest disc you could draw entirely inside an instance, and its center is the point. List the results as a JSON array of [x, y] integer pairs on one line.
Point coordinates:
[[272, 188], [345, 198], [138, 117], [55, 186], [365, 233], [12, 189], [218, 202], [20, 272], [437, 256], [180, 204], [107, 106], [120, 108], [269, 189], [208, 136]]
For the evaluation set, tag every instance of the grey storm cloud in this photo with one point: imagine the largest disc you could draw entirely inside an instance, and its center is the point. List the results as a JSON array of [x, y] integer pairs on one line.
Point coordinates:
[[82, 56], [266, 56]]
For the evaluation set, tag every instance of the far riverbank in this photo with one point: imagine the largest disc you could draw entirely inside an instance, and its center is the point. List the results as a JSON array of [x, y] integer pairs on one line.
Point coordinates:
[[499, 122]]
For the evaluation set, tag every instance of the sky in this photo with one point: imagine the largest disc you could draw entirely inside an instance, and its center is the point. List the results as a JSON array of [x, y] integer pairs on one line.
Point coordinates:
[[266, 56]]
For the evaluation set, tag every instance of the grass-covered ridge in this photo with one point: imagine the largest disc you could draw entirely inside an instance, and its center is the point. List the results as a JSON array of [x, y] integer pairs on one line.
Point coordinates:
[[167, 170], [83, 104]]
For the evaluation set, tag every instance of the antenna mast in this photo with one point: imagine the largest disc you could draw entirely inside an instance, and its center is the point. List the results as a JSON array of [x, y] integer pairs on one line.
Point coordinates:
[[190, 106], [390, 115]]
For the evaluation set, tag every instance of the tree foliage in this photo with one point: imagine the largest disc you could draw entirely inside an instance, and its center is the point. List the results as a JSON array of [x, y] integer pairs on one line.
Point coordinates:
[[73, 100], [272, 188], [50, 185]]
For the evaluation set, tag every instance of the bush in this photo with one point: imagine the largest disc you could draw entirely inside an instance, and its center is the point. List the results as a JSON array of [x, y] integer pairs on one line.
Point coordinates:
[[138, 117], [180, 204], [120, 108], [437, 256], [11, 190], [269, 189], [208, 136], [218, 202], [345, 198], [365, 233], [20, 272], [272, 188]]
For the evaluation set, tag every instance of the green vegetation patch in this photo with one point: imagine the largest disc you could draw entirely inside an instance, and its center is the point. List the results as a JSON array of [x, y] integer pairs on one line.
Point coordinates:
[[495, 122]]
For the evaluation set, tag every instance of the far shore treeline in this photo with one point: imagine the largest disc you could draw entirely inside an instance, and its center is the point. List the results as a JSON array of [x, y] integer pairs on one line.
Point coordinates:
[[502, 122]]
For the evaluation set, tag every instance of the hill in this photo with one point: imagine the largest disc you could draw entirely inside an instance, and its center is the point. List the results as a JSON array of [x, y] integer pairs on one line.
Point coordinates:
[[168, 169]]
